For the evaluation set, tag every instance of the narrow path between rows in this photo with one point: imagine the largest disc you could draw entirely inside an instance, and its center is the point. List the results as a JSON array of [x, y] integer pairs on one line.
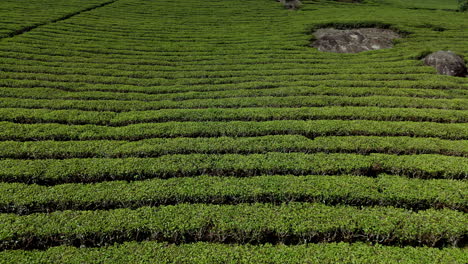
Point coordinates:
[[29, 28]]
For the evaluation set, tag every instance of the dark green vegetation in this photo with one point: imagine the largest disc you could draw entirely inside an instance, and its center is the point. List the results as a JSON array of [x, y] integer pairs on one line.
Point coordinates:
[[51, 172], [384, 190], [211, 132], [448, 5], [462, 5], [151, 252], [290, 223], [18, 17]]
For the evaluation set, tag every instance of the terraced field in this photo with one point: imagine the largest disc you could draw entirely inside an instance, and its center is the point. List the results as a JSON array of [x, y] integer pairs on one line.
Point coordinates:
[[144, 131]]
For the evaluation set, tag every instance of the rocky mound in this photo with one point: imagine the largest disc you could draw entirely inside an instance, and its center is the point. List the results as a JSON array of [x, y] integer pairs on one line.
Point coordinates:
[[349, 1], [291, 4], [353, 40], [447, 63]]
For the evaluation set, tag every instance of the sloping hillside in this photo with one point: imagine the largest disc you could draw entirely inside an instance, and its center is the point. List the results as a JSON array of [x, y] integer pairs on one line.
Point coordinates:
[[212, 132]]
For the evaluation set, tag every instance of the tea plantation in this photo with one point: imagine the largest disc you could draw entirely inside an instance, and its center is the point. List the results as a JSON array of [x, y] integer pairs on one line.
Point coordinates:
[[165, 131]]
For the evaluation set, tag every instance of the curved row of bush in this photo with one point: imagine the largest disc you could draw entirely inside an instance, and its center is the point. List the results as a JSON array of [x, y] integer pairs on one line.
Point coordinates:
[[314, 128], [413, 194], [82, 91], [32, 45], [190, 73], [202, 253], [290, 223], [12, 58], [235, 145], [33, 70], [51, 172], [226, 59], [346, 80], [267, 101], [77, 117]]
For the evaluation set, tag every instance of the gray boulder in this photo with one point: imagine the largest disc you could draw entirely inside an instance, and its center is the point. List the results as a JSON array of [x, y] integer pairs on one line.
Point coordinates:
[[291, 4], [349, 1], [353, 40], [447, 63]]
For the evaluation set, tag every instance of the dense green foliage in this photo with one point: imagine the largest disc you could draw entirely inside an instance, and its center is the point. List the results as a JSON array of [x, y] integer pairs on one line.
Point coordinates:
[[214, 114], [342, 189], [23, 132], [241, 145], [51, 172], [421, 4], [214, 129], [267, 101], [462, 5], [202, 253], [286, 223], [18, 16]]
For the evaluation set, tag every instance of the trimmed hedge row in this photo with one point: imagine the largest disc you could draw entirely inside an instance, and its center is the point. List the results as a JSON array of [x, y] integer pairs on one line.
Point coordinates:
[[207, 59], [314, 128], [236, 145], [202, 253], [127, 77], [216, 114], [265, 101], [408, 80], [81, 91], [12, 59], [51, 172], [290, 223], [385, 190], [189, 78]]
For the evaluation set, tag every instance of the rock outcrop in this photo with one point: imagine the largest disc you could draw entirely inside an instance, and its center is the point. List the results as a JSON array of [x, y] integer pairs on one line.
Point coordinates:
[[447, 63], [353, 40], [349, 1], [291, 4]]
